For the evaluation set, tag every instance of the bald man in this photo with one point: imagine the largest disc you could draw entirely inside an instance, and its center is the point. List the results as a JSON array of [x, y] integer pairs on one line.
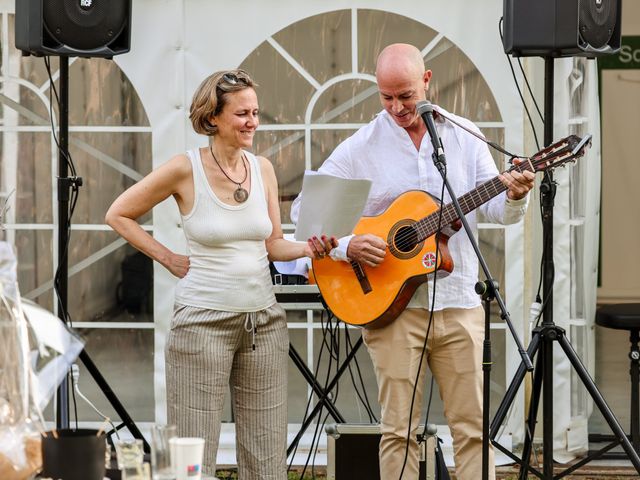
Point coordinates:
[[394, 152]]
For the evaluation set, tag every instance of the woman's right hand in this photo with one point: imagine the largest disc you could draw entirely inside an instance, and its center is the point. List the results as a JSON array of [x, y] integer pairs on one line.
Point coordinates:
[[178, 265], [318, 248]]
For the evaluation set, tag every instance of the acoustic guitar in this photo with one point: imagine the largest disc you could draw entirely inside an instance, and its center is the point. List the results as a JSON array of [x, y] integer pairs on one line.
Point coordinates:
[[373, 297]]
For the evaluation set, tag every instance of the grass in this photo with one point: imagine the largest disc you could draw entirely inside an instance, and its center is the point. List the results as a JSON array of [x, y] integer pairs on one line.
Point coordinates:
[[232, 474], [503, 473]]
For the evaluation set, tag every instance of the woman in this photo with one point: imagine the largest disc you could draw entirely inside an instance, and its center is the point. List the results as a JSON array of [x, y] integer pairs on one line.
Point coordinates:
[[227, 328]]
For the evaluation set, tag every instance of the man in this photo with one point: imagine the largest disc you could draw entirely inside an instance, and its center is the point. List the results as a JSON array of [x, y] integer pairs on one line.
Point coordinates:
[[394, 151]]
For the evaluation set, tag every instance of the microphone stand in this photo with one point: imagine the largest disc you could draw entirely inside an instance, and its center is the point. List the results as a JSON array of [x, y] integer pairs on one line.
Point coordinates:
[[487, 290], [439, 160]]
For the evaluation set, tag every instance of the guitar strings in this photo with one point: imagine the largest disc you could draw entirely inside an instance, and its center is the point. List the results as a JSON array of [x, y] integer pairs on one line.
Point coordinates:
[[424, 228]]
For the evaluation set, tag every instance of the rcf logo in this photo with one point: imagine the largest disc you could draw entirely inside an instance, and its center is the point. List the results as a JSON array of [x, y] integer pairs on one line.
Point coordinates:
[[86, 3]]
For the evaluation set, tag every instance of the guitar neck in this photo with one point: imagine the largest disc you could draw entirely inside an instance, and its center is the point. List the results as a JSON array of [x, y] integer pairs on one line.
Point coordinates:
[[468, 202]]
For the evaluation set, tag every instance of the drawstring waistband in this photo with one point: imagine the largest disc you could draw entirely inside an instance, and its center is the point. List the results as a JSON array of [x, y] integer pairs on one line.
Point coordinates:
[[250, 326]]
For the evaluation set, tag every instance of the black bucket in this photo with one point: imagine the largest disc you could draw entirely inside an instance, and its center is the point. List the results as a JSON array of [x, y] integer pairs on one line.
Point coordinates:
[[74, 455]]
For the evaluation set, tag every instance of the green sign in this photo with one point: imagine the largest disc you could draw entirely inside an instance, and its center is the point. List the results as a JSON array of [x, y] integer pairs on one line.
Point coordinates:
[[627, 58]]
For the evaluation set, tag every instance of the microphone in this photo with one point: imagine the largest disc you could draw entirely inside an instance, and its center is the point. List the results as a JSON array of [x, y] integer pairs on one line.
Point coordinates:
[[425, 110]]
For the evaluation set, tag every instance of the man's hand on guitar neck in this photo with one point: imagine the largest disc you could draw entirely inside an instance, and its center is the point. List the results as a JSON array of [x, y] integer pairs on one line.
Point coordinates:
[[518, 184], [368, 249]]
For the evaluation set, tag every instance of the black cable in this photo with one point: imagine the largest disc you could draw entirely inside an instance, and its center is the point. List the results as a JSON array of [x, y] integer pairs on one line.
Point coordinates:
[[428, 405], [73, 199], [330, 348], [515, 80], [533, 129], [534, 449], [75, 405], [331, 342], [311, 449], [315, 437], [328, 345], [356, 389], [366, 403], [426, 338], [543, 299], [52, 88], [533, 98], [535, 136], [53, 93], [546, 173], [335, 335], [315, 449], [306, 410]]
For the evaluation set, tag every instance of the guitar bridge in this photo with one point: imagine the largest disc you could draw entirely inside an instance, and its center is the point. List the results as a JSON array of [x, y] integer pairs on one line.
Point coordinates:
[[362, 277]]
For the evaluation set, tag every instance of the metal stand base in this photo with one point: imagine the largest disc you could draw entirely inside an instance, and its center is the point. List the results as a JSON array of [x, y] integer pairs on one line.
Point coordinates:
[[634, 436], [542, 343]]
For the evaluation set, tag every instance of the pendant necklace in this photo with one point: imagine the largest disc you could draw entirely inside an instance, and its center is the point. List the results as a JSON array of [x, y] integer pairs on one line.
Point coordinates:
[[240, 195]]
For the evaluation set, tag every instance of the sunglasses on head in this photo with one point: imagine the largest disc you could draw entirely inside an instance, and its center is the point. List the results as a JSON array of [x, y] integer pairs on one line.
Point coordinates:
[[231, 79]]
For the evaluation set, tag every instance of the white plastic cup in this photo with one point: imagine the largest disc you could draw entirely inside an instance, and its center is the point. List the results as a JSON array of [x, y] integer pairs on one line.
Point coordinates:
[[186, 457]]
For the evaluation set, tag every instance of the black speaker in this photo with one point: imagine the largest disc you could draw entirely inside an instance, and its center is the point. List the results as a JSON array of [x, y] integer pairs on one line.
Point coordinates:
[[352, 453], [75, 28], [561, 28]]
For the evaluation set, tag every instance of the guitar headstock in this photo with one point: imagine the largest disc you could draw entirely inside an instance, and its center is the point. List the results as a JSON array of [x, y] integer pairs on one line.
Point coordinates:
[[566, 150]]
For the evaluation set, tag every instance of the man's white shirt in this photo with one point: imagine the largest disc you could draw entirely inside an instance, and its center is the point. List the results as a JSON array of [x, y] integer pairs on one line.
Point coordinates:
[[383, 152]]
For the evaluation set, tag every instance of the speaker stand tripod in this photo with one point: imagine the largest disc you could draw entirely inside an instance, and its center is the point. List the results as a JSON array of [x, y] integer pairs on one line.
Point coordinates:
[[65, 183], [542, 341]]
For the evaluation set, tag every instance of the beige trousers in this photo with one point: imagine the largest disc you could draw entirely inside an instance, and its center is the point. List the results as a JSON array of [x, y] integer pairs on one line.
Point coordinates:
[[454, 356], [208, 352]]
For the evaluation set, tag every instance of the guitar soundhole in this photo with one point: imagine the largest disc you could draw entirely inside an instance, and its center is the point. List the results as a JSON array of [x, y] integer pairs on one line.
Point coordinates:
[[405, 239]]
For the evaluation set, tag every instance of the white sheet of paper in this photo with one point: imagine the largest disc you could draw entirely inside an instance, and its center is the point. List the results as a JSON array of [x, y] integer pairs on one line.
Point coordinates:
[[330, 205]]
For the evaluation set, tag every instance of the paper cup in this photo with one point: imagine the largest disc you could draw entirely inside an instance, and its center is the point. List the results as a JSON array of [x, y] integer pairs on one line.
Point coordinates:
[[186, 457]]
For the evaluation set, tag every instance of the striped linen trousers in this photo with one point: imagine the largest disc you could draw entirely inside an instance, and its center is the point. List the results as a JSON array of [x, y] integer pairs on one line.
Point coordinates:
[[209, 351]]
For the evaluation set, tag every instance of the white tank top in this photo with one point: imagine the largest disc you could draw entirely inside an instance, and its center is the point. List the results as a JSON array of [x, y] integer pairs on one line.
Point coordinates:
[[229, 269]]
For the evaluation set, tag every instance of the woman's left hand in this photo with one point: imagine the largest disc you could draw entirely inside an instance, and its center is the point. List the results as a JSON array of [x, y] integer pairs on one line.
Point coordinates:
[[320, 247]]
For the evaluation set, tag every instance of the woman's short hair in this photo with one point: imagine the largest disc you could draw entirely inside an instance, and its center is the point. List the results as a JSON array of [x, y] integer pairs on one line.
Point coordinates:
[[211, 97]]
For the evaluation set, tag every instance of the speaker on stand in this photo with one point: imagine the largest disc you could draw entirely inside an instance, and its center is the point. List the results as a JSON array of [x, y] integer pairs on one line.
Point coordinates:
[[74, 28], [561, 28], [551, 29]]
